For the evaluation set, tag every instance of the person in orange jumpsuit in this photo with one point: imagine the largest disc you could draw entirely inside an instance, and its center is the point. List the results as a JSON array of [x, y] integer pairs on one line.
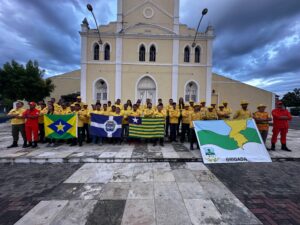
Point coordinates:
[[281, 118], [32, 124]]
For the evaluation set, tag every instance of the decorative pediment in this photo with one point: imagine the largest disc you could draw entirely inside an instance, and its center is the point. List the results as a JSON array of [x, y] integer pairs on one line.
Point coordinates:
[[148, 2], [147, 29]]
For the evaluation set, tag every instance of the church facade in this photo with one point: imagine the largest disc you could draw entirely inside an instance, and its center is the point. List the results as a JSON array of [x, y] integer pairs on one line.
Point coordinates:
[[146, 53]]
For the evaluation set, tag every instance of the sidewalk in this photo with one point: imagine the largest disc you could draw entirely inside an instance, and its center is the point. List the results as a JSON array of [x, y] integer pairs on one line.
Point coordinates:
[[90, 153]]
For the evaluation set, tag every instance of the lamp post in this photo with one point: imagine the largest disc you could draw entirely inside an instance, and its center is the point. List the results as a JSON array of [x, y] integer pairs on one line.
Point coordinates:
[[90, 8], [204, 12]]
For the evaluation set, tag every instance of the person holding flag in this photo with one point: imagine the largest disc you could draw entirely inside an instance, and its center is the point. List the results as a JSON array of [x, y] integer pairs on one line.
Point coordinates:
[[262, 120], [160, 113]]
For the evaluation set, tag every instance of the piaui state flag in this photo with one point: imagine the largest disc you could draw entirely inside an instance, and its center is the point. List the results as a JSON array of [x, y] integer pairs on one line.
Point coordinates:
[[60, 126], [229, 141], [106, 126], [140, 127]]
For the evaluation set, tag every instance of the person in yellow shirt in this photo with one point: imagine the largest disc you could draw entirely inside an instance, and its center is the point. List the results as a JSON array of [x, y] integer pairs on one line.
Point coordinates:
[[43, 110], [160, 113], [227, 109], [168, 107], [262, 120], [105, 111], [17, 124], [109, 106], [174, 115], [118, 104], [210, 114], [78, 100], [148, 112], [243, 113], [80, 124], [191, 108], [86, 123], [129, 104], [64, 109], [213, 105], [222, 114], [194, 116], [203, 106], [125, 124], [185, 129], [135, 112], [113, 111]]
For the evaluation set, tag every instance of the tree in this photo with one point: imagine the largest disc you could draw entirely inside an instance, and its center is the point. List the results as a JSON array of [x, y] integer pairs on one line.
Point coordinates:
[[292, 99], [23, 82]]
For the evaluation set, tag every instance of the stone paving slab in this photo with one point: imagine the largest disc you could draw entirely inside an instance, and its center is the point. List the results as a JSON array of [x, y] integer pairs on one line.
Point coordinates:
[[107, 153], [85, 198]]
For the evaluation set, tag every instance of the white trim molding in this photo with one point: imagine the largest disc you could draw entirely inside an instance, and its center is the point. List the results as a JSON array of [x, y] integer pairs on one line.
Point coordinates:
[[118, 76], [209, 72], [94, 89], [198, 89], [175, 68], [83, 73], [273, 101], [137, 83]]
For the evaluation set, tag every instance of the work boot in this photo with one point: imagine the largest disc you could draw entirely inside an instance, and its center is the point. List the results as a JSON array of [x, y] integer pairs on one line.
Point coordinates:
[[284, 148], [25, 144], [34, 145], [13, 145], [272, 147]]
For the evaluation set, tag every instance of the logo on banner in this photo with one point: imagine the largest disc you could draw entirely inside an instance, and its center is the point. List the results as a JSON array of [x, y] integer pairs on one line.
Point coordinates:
[[110, 126]]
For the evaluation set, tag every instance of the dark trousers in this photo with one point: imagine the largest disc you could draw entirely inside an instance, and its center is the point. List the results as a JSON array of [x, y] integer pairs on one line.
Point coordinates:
[[178, 125], [167, 125], [264, 135], [160, 140], [185, 131], [86, 133], [193, 138], [41, 132], [15, 130], [125, 131], [79, 138], [173, 129]]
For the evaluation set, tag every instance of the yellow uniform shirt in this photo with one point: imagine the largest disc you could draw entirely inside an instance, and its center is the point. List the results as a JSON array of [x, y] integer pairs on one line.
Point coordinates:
[[203, 110], [85, 115], [125, 113], [135, 113], [65, 111], [119, 106], [211, 115], [222, 115], [98, 112], [186, 116], [242, 114], [42, 113], [161, 114], [105, 113], [81, 117], [17, 112], [149, 112], [228, 110], [262, 125], [195, 116], [174, 114]]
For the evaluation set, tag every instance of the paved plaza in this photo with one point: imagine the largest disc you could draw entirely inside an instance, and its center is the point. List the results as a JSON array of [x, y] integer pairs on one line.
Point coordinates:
[[139, 184]]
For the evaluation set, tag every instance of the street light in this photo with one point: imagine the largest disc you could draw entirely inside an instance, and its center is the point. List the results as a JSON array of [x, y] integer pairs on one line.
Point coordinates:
[[204, 12], [90, 8]]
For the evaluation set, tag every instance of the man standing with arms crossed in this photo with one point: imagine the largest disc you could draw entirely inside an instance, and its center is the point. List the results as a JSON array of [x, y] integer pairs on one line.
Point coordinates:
[[281, 118]]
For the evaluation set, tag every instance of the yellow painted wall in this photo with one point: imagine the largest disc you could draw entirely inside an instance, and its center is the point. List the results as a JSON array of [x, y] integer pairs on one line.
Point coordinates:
[[234, 91]]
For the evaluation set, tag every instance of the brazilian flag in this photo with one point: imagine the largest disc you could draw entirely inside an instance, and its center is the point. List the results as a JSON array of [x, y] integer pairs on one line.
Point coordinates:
[[60, 126]]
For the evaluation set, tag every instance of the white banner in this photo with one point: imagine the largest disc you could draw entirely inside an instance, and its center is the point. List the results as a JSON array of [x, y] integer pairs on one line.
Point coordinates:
[[230, 141]]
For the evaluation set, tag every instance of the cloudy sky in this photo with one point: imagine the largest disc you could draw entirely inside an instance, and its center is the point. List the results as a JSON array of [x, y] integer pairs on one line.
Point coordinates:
[[258, 41]]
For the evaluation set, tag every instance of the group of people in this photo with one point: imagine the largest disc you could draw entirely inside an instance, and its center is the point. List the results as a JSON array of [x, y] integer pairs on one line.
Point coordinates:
[[178, 119]]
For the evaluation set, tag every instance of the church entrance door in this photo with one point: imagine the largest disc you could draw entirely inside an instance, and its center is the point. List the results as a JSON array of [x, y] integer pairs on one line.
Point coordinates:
[[146, 89]]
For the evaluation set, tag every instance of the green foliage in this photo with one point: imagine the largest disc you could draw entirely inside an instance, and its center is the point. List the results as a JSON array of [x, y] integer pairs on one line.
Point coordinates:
[[292, 98], [23, 82]]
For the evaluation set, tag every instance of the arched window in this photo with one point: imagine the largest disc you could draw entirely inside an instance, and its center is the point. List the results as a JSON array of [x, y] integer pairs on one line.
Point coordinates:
[[146, 88], [142, 53], [152, 54], [187, 54], [191, 91], [101, 91], [96, 52], [107, 52], [197, 54]]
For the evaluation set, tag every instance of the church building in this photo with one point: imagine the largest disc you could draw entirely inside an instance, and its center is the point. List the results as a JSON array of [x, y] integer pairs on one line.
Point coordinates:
[[147, 53]]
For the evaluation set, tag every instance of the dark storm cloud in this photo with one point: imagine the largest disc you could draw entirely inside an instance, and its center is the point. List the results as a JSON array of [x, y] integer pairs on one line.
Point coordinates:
[[46, 31], [253, 39]]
